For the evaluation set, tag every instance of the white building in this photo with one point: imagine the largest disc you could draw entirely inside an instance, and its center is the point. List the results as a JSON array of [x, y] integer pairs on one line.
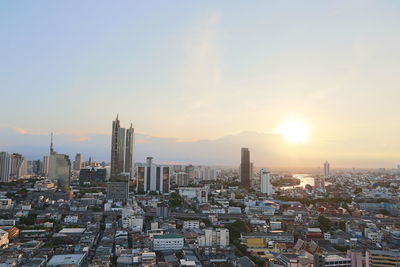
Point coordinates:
[[199, 193], [70, 260], [71, 219], [191, 224], [152, 177], [266, 187], [214, 238], [167, 242]]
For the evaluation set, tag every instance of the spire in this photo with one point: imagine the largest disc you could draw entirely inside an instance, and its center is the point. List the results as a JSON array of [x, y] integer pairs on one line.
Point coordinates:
[[117, 117], [51, 145]]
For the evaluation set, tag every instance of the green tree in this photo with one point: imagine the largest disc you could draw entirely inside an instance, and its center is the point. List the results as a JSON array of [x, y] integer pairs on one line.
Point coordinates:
[[324, 223]]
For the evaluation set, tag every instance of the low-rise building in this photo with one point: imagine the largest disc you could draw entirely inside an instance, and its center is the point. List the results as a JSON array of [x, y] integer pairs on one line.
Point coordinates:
[[167, 242]]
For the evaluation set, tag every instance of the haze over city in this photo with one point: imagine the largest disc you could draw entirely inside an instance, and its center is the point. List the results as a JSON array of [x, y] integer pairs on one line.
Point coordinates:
[[296, 82]]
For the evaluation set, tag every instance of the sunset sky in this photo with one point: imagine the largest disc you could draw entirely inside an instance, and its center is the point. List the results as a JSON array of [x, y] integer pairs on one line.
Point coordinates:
[[191, 75]]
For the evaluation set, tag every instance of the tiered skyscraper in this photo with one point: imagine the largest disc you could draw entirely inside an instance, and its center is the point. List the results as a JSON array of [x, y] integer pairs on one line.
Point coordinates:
[[122, 150], [245, 167]]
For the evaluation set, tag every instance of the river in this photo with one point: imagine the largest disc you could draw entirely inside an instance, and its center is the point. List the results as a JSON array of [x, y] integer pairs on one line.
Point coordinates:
[[304, 180]]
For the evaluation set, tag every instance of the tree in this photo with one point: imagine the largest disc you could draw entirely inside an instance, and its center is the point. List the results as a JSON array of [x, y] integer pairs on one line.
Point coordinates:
[[324, 223]]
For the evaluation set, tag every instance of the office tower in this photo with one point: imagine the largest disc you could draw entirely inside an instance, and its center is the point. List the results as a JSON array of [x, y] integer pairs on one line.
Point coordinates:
[[45, 166], [245, 167], [19, 166], [60, 170], [36, 167], [182, 179], [152, 177], [5, 167], [122, 150], [91, 176], [129, 151], [78, 162], [266, 187], [326, 169]]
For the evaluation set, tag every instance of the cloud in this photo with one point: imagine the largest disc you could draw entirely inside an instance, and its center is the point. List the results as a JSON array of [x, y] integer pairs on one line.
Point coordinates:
[[81, 139], [21, 131]]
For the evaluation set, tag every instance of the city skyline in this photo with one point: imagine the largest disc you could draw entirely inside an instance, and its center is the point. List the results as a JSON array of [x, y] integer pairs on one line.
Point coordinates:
[[207, 78]]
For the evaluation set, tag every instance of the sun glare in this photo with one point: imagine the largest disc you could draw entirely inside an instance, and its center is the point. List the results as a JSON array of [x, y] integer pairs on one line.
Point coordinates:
[[295, 131]]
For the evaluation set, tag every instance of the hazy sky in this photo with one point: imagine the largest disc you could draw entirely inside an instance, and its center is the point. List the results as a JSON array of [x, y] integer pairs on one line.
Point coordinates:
[[202, 70]]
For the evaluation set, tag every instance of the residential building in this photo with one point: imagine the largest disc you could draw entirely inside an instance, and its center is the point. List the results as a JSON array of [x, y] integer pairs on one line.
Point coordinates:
[[167, 242], [266, 187], [5, 167]]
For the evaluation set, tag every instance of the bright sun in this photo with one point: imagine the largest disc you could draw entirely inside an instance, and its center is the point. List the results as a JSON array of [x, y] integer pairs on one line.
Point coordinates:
[[295, 131]]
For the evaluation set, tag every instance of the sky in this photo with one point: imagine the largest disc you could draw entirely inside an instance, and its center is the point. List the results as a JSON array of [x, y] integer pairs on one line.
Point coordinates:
[[194, 75]]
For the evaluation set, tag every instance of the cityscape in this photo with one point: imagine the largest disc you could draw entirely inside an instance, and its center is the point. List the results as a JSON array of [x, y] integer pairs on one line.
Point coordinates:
[[216, 134]]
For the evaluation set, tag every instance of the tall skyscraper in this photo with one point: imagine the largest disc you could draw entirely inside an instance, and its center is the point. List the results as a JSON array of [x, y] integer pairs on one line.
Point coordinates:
[[129, 151], [5, 167], [326, 169], [45, 166], [266, 186], [245, 167], [122, 149], [78, 162], [152, 177], [60, 170]]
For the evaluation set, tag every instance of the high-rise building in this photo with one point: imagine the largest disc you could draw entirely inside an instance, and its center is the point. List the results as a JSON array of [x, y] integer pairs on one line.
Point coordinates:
[[245, 167], [152, 177], [266, 186], [326, 169], [78, 162], [182, 179], [19, 166], [5, 167], [60, 170], [129, 151], [45, 166], [122, 150], [36, 167], [91, 176]]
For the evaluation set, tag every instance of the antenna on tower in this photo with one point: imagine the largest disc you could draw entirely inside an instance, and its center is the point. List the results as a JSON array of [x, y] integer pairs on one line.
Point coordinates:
[[51, 145]]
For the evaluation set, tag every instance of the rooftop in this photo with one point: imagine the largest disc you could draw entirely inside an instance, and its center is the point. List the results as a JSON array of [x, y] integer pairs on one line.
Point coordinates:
[[66, 259], [167, 236]]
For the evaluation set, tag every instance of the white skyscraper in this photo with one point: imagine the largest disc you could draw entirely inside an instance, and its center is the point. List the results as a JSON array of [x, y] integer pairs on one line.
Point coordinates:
[[266, 186], [326, 169]]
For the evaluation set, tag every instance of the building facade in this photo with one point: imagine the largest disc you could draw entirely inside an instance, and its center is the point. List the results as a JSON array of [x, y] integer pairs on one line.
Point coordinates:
[[245, 168], [266, 187], [152, 178], [60, 170], [5, 167], [122, 150]]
